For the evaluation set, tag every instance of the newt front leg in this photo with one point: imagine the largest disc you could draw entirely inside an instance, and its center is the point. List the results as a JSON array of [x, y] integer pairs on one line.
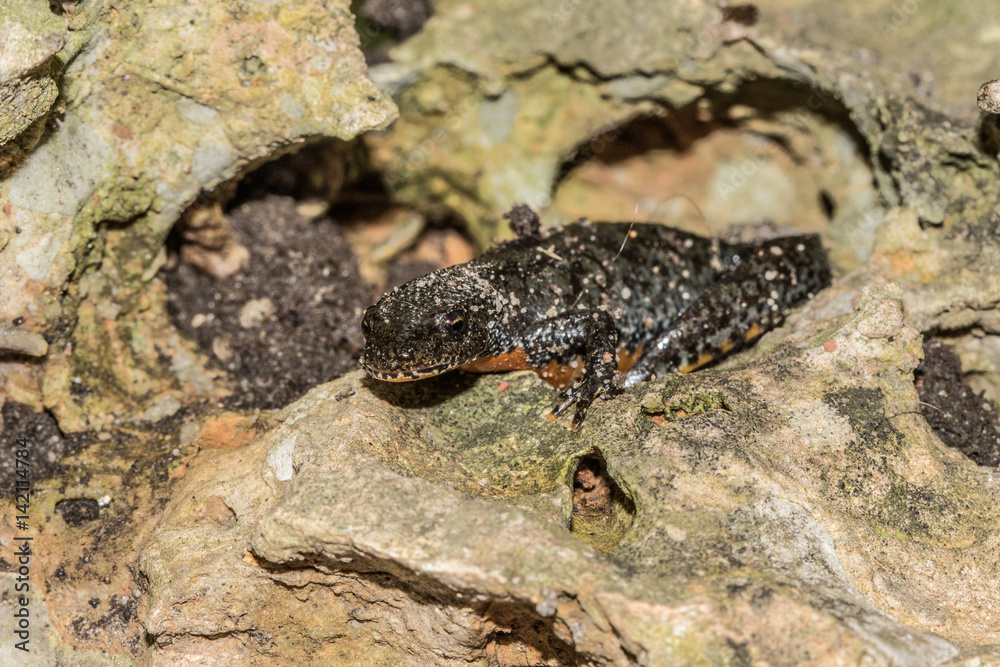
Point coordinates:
[[555, 348]]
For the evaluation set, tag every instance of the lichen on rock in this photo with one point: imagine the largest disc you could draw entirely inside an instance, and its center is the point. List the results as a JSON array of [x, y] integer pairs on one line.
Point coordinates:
[[787, 505], [180, 100]]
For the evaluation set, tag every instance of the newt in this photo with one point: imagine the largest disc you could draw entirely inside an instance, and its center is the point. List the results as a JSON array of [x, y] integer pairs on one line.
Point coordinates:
[[591, 307]]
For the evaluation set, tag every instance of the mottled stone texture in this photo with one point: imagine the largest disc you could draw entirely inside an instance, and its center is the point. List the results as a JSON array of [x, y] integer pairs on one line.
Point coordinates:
[[158, 102], [789, 506], [812, 518], [32, 35]]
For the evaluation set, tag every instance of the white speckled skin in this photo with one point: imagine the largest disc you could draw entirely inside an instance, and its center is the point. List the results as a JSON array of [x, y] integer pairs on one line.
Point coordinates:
[[578, 293]]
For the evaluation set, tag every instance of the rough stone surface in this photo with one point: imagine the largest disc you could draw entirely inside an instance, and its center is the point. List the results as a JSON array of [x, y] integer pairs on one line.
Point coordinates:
[[755, 122], [160, 102], [787, 506], [32, 36], [816, 518]]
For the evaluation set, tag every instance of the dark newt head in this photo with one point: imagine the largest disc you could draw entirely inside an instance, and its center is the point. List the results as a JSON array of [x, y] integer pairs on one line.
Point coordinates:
[[428, 326]]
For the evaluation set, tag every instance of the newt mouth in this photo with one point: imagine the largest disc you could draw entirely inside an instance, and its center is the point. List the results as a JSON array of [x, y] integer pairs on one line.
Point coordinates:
[[408, 375]]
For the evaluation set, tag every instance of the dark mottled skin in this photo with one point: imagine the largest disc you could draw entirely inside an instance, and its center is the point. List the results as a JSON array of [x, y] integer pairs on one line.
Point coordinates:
[[575, 297]]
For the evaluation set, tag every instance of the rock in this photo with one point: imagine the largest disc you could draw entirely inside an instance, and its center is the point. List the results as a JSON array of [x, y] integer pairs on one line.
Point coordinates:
[[161, 103], [988, 97], [788, 505], [441, 531], [20, 341], [28, 89]]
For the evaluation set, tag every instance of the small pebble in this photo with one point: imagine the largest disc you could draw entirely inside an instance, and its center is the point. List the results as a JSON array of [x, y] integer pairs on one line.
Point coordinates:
[[255, 312], [988, 98], [23, 342]]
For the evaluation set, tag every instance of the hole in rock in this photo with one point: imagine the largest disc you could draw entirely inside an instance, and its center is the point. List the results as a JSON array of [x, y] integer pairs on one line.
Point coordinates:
[[827, 203], [271, 296], [769, 152], [78, 511], [271, 275], [47, 445], [522, 637], [959, 415], [602, 512], [331, 177], [382, 24]]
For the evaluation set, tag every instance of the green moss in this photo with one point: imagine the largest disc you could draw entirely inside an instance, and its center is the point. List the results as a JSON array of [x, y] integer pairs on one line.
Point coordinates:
[[459, 436], [120, 203], [604, 533], [694, 405]]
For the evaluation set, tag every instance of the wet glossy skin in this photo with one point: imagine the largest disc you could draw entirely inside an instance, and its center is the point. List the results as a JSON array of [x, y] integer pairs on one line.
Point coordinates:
[[580, 309]]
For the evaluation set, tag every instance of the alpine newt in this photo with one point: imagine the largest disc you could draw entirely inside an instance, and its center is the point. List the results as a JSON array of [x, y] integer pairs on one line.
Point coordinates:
[[591, 307]]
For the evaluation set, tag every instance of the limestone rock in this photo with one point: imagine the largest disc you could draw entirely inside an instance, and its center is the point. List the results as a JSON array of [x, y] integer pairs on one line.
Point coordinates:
[[789, 505], [815, 517], [162, 101], [32, 36]]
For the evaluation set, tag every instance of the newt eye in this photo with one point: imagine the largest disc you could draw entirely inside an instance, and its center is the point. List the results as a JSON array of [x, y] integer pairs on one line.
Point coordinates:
[[366, 328], [455, 321]]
